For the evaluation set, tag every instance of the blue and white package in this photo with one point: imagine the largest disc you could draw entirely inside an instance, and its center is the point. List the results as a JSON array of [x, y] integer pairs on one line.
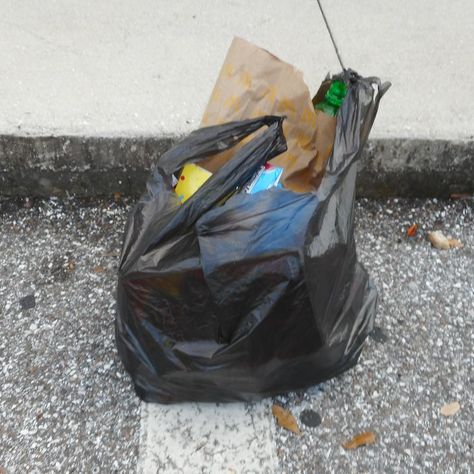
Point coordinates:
[[267, 177]]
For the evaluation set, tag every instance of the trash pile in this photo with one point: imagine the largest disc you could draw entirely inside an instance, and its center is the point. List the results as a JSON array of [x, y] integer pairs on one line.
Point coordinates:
[[238, 276]]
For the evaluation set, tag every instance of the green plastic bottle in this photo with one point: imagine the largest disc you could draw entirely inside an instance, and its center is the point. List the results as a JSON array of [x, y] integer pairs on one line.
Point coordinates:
[[333, 99]]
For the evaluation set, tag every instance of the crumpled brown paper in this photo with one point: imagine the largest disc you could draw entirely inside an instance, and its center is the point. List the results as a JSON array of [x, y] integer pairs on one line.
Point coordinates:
[[254, 82]]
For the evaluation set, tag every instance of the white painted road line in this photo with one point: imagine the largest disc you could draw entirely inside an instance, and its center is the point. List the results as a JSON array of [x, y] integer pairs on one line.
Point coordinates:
[[209, 438]]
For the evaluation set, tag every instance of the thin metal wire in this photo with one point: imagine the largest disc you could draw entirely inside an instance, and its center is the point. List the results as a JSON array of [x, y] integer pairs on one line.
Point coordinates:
[[331, 35]]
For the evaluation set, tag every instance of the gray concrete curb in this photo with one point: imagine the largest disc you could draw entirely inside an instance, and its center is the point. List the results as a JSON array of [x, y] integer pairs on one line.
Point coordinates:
[[99, 166]]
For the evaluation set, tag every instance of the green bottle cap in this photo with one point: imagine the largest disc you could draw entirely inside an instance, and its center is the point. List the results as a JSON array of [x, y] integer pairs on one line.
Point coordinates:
[[336, 93]]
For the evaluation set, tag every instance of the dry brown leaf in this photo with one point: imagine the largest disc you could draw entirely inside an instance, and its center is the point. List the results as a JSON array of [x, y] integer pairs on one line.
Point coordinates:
[[412, 230], [461, 196], [438, 240], [361, 439], [455, 244], [117, 197], [98, 269], [450, 409], [285, 419], [71, 266]]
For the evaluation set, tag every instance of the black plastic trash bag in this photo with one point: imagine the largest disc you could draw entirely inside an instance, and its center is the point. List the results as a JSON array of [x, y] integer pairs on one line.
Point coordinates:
[[257, 296]]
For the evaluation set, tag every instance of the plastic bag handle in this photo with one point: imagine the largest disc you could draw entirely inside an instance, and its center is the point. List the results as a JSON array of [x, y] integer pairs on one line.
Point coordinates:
[[209, 141], [349, 149]]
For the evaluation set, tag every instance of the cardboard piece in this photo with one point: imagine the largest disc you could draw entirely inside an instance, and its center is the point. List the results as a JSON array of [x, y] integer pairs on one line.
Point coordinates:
[[254, 82]]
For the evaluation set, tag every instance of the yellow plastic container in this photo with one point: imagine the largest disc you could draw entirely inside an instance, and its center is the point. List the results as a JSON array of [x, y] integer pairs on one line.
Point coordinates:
[[191, 179]]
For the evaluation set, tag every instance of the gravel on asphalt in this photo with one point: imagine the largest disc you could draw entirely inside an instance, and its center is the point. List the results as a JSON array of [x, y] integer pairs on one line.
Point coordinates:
[[66, 404]]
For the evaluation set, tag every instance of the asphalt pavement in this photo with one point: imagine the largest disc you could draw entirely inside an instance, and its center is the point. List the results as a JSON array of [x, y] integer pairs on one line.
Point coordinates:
[[67, 405]]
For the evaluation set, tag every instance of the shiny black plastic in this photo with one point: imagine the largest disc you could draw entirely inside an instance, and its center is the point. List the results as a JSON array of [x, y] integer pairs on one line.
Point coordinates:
[[256, 296]]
